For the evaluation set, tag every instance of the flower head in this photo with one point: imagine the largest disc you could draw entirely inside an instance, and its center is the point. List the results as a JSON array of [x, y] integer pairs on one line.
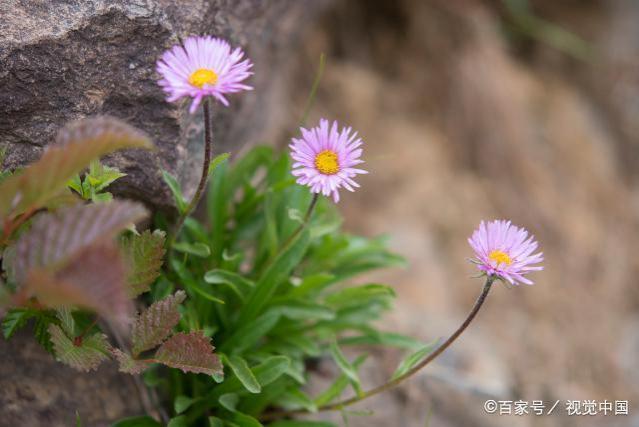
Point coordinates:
[[203, 66], [325, 157], [505, 251]]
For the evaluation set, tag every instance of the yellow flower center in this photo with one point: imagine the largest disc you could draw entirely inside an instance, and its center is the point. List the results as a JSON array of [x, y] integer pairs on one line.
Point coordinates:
[[203, 76], [500, 257], [326, 162]]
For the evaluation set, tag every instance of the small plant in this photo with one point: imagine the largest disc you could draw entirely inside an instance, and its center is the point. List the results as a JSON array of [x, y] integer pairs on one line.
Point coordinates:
[[235, 308]]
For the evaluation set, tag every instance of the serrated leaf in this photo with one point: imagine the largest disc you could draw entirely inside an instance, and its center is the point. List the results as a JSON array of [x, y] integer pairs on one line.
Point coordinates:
[[94, 281], [198, 249], [189, 352], [77, 144], [41, 332], [66, 320], [83, 356], [54, 238], [16, 319], [127, 363], [144, 254], [242, 371], [156, 323], [413, 359]]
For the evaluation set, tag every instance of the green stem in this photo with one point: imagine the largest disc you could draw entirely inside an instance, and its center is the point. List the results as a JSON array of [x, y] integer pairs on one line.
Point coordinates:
[[307, 217], [395, 382], [208, 144]]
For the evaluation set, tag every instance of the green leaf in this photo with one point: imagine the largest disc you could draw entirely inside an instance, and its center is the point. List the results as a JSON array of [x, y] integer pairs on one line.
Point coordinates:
[[413, 359], [238, 284], [197, 249], [84, 355], [247, 336], [144, 421], [229, 401], [15, 319], [215, 422], [300, 310], [243, 420], [242, 371], [76, 146], [345, 366], [278, 271], [217, 161], [265, 373], [217, 199], [182, 403], [391, 339], [312, 285], [156, 323], [176, 191], [291, 423], [101, 176], [144, 254], [295, 399], [180, 421], [338, 386], [359, 295], [189, 352]]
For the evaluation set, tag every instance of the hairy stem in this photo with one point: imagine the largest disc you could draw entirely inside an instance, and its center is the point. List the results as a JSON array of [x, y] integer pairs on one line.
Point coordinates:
[[395, 382], [208, 144]]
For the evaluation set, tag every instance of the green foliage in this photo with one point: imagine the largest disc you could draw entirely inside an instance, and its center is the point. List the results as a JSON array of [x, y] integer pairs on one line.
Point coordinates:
[[84, 353], [96, 180], [271, 296]]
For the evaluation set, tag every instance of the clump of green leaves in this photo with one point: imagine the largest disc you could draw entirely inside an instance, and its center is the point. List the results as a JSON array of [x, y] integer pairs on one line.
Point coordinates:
[[272, 299]]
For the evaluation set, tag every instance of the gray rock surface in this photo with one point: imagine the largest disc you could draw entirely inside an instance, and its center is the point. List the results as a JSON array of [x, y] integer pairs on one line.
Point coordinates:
[[63, 60]]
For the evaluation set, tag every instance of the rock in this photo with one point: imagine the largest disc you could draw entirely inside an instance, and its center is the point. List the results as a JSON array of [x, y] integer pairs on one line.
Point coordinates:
[[35, 390], [61, 61]]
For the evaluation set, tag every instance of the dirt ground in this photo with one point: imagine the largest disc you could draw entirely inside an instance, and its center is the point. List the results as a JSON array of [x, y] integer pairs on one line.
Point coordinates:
[[471, 111]]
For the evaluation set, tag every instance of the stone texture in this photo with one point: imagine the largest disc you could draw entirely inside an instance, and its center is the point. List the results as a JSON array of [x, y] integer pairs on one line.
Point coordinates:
[[36, 391], [63, 60]]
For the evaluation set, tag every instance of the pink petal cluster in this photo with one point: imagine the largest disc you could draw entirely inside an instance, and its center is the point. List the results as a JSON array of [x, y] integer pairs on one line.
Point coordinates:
[[505, 251], [178, 65], [325, 157]]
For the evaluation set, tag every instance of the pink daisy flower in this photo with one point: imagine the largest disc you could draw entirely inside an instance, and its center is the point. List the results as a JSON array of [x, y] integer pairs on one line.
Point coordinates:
[[325, 158], [203, 66], [505, 251]]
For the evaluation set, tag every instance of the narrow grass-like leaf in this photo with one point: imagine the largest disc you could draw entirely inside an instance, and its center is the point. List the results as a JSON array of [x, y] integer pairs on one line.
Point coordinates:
[[345, 366], [246, 336], [242, 371], [156, 323], [338, 386], [278, 271], [217, 161], [182, 403], [144, 255], [176, 191], [144, 421], [189, 352], [76, 146], [15, 319], [197, 249], [295, 399], [413, 359], [292, 423]]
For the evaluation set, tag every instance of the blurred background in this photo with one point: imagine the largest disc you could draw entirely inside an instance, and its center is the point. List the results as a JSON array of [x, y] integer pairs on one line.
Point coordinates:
[[476, 110]]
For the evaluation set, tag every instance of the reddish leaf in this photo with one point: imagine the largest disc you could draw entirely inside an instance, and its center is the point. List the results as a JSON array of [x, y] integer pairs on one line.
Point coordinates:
[[156, 323], [93, 280], [144, 254], [76, 146], [54, 238], [190, 352], [127, 363]]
